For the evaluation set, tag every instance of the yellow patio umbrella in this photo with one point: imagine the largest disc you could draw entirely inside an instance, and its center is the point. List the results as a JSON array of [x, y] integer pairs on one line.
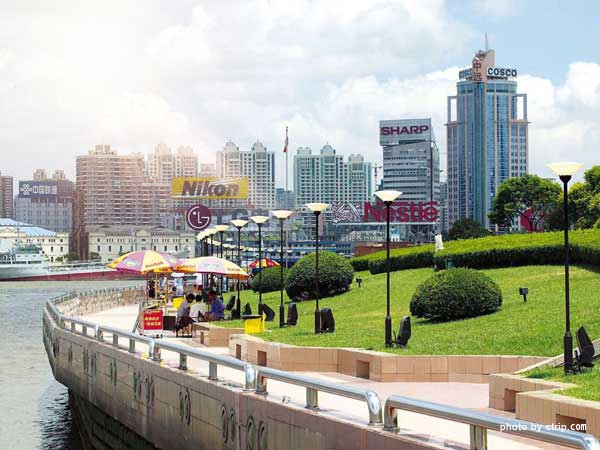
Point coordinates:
[[144, 261], [212, 265]]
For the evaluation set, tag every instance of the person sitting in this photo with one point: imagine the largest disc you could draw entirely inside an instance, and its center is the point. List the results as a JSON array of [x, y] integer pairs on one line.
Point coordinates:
[[184, 321], [151, 289], [217, 308], [198, 309]]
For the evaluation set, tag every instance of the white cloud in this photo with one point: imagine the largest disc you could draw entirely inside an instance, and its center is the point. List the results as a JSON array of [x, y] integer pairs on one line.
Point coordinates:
[[200, 74]]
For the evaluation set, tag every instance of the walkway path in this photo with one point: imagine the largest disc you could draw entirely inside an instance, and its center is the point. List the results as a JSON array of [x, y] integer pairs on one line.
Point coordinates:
[[439, 432]]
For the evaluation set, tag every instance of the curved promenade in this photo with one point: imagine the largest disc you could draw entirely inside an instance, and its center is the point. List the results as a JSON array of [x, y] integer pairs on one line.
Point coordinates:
[[132, 391]]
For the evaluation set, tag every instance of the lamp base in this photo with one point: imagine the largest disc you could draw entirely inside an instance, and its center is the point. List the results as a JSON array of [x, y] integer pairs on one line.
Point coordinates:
[[568, 352], [317, 321], [281, 313], [388, 331]]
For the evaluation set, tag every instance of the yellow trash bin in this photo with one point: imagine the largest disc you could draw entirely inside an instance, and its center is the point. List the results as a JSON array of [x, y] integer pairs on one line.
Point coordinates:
[[254, 324], [177, 301]]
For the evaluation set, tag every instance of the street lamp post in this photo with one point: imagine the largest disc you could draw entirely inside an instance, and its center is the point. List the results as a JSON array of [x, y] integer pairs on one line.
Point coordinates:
[[388, 197], [317, 209], [259, 221], [221, 230], [239, 224], [281, 215], [565, 170]]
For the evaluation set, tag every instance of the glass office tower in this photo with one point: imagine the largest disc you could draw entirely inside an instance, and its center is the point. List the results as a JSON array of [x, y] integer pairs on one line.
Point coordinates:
[[487, 137]]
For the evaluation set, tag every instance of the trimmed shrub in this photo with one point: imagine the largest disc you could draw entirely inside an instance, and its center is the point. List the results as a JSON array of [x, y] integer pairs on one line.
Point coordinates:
[[456, 294], [335, 276], [269, 280], [493, 251]]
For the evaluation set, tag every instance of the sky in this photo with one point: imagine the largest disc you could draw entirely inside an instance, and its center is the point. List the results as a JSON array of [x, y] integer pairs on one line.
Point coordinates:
[[133, 74]]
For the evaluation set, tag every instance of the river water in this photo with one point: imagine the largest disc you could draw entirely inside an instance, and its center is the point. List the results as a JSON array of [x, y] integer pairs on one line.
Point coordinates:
[[34, 410]]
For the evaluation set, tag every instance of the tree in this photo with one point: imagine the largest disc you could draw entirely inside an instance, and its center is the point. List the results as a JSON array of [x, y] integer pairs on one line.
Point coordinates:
[[530, 198], [95, 256], [467, 229], [71, 256]]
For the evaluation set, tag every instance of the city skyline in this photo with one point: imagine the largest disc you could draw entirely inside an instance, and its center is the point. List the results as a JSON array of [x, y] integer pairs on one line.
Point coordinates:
[[100, 77]]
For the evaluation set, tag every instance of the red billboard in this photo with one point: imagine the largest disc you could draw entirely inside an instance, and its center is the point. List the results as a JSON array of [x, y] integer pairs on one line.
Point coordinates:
[[400, 212], [153, 320]]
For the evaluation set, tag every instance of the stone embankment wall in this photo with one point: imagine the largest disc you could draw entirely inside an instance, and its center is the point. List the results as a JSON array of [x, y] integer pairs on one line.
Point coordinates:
[[169, 408]]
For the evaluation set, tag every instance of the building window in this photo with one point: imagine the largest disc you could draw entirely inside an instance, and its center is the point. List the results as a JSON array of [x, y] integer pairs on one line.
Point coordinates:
[[165, 248], [98, 249], [110, 248], [52, 248]]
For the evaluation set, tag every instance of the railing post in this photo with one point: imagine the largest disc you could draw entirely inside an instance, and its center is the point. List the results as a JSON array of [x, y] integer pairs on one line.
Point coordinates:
[[84, 330], [73, 327], [390, 420], [183, 361], [261, 385], [312, 399], [131, 346], [98, 334], [115, 339], [249, 378], [478, 437], [375, 410], [212, 371], [153, 351]]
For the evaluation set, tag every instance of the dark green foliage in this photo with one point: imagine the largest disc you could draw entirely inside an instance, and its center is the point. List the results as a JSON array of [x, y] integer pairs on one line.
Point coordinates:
[[415, 259], [467, 229], [269, 280], [530, 197], [456, 294], [335, 276]]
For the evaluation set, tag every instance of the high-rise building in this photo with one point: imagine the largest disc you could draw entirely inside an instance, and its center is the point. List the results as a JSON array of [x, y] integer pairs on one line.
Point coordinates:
[[6, 197], [163, 165], [111, 189], [284, 199], [487, 137], [258, 165], [326, 177], [411, 160], [46, 202]]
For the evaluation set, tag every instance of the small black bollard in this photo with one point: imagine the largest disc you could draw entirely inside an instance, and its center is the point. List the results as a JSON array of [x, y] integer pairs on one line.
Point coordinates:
[[359, 281], [524, 291]]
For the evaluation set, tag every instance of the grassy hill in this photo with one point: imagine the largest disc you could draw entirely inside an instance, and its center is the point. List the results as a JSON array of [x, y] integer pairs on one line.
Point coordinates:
[[532, 328]]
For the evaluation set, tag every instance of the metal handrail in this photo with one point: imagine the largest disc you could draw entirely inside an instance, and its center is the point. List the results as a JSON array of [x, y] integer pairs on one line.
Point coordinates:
[[314, 385], [480, 423], [214, 361]]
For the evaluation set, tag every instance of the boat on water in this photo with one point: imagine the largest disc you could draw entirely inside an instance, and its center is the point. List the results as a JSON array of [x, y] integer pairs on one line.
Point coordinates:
[[27, 262]]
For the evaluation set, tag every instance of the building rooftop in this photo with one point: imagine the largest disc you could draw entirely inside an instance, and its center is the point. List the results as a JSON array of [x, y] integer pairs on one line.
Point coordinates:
[[9, 225]]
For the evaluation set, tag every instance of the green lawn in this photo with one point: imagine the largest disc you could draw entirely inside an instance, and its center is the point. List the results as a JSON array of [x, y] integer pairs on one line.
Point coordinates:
[[588, 382], [532, 328]]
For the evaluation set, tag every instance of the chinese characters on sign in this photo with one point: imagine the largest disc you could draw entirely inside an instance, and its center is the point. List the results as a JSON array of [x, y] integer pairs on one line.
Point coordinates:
[[153, 320]]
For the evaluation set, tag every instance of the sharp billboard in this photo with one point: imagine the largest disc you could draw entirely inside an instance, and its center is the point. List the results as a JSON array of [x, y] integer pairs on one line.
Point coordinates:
[[392, 132]]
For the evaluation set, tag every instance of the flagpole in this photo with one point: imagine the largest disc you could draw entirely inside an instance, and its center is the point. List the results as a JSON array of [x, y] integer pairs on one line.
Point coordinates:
[[286, 166]]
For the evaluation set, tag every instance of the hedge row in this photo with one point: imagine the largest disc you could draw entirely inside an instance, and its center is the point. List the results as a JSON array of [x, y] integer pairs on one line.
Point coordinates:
[[493, 251]]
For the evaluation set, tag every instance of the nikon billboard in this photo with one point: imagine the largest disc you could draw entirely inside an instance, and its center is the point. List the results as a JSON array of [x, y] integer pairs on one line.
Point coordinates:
[[210, 188]]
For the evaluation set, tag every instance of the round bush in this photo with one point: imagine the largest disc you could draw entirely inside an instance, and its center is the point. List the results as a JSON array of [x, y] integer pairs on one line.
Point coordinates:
[[268, 280], [456, 294], [335, 276]]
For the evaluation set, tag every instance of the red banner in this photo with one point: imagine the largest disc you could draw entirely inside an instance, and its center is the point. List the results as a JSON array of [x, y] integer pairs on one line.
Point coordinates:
[[153, 320]]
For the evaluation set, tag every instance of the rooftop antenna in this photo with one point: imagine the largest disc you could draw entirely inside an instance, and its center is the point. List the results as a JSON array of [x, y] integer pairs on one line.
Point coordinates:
[[486, 42]]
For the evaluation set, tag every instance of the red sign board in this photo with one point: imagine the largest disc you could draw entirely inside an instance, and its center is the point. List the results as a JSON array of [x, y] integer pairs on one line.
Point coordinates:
[[198, 217], [417, 212], [153, 320]]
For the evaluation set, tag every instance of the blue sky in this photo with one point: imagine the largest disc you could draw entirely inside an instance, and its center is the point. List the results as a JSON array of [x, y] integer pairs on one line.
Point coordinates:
[[537, 37]]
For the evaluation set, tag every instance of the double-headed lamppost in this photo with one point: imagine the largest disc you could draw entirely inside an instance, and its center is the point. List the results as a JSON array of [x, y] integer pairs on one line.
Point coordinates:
[[388, 197], [565, 170], [259, 221], [239, 224], [317, 209], [281, 214]]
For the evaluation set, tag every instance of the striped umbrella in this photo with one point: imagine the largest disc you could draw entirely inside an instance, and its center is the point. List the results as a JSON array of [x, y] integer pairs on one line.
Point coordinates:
[[266, 263], [144, 261], [212, 265]]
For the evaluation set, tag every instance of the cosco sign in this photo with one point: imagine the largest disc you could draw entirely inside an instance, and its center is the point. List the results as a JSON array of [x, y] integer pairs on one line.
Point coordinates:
[[501, 72]]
